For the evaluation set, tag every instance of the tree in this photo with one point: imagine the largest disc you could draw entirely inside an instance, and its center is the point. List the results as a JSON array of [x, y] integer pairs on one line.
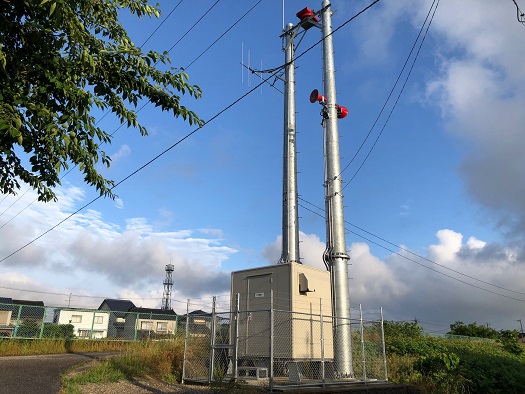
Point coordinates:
[[59, 61], [473, 330]]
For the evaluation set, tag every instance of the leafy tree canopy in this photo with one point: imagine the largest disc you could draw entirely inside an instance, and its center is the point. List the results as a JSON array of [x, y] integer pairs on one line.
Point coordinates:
[[473, 330], [59, 61], [402, 328]]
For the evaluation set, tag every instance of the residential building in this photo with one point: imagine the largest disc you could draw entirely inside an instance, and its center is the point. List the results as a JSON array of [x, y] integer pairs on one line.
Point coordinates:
[[86, 324], [127, 321]]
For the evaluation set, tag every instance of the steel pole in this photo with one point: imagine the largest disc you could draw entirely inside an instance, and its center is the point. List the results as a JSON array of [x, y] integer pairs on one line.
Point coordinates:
[[336, 255], [290, 238]]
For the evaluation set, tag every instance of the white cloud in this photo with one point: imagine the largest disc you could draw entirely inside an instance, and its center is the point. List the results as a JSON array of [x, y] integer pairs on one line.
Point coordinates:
[[449, 245], [99, 258], [124, 151]]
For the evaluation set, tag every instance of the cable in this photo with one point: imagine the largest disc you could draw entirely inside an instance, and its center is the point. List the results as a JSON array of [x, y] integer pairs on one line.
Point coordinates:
[[235, 102], [519, 15], [397, 99], [164, 20], [392, 90], [108, 112], [195, 24], [223, 34], [425, 266]]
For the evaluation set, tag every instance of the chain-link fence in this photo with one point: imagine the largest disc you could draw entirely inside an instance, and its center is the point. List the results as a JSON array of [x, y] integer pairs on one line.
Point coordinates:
[[269, 348], [45, 322], [275, 348]]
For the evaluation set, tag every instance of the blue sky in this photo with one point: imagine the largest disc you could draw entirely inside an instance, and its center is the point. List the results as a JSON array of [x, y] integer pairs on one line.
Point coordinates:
[[445, 179]]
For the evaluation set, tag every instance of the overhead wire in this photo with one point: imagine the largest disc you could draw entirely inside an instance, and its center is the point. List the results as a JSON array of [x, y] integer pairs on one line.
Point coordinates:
[[235, 102], [397, 99], [161, 23], [421, 264], [98, 122], [223, 34], [391, 90], [145, 104], [519, 14]]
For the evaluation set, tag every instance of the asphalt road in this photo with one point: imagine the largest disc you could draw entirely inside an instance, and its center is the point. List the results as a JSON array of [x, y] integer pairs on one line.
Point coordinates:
[[38, 374]]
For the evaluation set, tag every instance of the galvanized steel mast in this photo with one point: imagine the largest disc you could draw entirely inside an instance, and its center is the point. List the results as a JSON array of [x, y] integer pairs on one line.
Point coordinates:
[[290, 236], [336, 257]]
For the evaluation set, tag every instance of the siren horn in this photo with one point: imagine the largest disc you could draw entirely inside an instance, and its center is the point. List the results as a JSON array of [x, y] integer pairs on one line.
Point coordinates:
[[341, 112], [315, 96]]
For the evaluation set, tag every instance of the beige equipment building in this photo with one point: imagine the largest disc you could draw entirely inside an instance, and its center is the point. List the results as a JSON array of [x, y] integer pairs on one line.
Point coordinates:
[[299, 295]]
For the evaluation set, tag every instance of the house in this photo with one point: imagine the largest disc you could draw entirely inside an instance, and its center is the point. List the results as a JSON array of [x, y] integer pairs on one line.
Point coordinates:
[[152, 322], [86, 324], [127, 321], [118, 310], [21, 317]]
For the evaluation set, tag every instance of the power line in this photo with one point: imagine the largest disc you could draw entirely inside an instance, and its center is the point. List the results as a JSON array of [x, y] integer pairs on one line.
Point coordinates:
[[392, 90], [519, 14], [108, 112], [223, 34], [419, 263], [195, 24], [161, 23], [263, 81]]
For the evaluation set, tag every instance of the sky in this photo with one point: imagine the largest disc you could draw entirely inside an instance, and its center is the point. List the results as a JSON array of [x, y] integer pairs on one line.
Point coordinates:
[[434, 199]]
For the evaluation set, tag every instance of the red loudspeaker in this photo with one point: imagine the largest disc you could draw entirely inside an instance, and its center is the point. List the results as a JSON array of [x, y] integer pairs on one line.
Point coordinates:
[[341, 112], [315, 96]]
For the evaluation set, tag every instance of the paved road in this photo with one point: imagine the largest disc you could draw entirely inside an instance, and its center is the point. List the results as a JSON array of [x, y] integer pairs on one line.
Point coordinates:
[[38, 374]]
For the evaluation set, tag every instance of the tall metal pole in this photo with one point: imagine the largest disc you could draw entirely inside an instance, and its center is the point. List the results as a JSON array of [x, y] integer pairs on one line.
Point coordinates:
[[290, 238], [335, 256]]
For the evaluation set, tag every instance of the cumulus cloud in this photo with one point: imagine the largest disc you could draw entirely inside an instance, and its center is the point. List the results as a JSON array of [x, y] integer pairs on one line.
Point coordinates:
[[100, 258]]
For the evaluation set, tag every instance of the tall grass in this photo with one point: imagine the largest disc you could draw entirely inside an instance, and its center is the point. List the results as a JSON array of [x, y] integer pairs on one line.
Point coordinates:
[[160, 360], [24, 347]]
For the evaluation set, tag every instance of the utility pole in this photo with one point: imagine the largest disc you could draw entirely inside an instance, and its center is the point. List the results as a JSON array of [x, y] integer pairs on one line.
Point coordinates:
[[69, 300], [521, 326], [290, 237], [335, 256]]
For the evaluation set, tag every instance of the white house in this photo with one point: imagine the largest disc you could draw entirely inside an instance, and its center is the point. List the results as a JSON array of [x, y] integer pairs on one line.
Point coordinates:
[[87, 324]]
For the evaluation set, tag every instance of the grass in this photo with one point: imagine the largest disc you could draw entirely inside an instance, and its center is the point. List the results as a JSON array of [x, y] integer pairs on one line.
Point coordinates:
[[24, 347], [434, 365], [161, 360]]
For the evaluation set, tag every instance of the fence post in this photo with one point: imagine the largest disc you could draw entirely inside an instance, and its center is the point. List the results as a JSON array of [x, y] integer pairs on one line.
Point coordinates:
[[136, 326], [321, 319], [92, 325], [17, 321], [271, 339], [43, 322], [384, 349], [184, 361], [362, 342], [212, 342], [236, 338]]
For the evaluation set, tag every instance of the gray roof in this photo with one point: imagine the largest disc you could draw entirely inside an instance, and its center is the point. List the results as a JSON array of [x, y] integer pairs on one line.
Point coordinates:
[[117, 305]]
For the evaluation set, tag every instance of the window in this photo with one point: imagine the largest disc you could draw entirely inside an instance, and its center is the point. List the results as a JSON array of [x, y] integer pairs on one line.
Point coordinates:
[[84, 333], [162, 327], [99, 319], [146, 325], [76, 319]]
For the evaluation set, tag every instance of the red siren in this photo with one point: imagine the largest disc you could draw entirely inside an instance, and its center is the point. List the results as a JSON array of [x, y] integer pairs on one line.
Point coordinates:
[[342, 112], [307, 17], [315, 96]]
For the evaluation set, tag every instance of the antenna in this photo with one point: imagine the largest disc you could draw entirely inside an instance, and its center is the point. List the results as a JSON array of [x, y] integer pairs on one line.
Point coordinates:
[[168, 284]]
